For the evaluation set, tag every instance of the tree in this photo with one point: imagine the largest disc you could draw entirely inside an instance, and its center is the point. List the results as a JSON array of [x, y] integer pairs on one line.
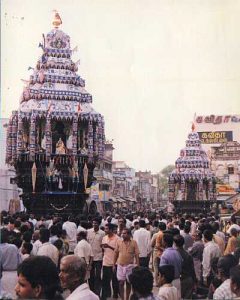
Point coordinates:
[[163, 179]]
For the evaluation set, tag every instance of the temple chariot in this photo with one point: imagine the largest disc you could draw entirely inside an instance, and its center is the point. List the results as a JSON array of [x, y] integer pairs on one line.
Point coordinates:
[[55, 138], [192, 185]]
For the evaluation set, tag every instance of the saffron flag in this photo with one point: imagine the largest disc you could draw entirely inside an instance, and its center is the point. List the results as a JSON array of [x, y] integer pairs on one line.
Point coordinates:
[[75, 49], [79, 108], [25, 81], [49, 107]]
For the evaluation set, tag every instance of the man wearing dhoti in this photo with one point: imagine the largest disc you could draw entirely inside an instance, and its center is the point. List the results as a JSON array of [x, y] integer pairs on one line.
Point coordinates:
[[10, 259]]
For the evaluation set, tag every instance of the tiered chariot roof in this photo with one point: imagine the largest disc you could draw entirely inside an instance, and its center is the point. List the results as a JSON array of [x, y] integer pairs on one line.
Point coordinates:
[[55, 91], [193, 165], [193, 161]]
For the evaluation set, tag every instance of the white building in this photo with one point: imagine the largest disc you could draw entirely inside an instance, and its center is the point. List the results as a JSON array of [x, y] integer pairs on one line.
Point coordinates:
[[214, 130], [8, 191], [101, 189], [225, 163], [123, 179], [220, 137]]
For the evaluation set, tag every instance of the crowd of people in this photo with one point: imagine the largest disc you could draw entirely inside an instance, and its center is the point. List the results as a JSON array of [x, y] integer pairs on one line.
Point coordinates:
[[133, 256]]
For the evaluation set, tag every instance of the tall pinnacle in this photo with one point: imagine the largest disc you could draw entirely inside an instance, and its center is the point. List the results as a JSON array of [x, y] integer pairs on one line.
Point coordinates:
[[57, 21], [193, 127]]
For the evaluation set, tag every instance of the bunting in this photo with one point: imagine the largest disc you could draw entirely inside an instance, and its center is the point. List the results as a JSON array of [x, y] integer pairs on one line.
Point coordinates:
[[75, 49], [79, 108]]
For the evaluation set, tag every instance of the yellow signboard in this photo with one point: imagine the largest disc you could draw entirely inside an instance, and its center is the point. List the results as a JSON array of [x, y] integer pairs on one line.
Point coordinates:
[[215, 137], [225, 189]]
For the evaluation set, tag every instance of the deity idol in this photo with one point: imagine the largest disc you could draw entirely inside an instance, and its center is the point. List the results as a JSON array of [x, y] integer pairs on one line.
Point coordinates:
[[60, 147]]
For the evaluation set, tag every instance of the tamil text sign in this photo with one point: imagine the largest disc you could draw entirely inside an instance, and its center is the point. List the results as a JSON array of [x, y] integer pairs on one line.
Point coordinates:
[[215, 137], [215, 119]]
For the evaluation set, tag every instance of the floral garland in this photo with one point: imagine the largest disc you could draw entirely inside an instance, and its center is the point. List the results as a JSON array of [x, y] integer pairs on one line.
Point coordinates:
[[59, 209]]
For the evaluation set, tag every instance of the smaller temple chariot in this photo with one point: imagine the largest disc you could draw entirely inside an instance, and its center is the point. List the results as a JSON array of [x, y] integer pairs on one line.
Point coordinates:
[[55, 137], [192, 185]]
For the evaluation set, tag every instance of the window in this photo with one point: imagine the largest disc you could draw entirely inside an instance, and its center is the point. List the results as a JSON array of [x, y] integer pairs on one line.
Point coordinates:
[[104, 187], [230, 170], [108, 167]]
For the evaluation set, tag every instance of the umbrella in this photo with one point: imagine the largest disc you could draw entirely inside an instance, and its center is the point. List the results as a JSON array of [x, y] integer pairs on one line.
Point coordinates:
[[85, 175], [34, 176]]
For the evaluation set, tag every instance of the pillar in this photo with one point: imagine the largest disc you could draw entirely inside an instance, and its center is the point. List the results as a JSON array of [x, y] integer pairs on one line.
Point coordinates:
[[183, 187], [95, 140], [90, 140], [210, 191], [32, 137], [20, 135], [75, 134], [48, 131], [9, 142], [200, 189], [14, 135]]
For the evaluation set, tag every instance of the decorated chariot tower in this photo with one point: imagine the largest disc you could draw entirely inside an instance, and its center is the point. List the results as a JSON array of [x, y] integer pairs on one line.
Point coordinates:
[[55, 137], [191, 185]]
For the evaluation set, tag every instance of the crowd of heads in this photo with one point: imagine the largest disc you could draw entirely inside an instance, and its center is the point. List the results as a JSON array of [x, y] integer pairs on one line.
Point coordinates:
[[39, 276]]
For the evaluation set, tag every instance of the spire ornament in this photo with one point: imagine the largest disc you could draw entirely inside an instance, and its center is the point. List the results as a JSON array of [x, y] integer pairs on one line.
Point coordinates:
[[55, 138], [57, 21], [193, 127]]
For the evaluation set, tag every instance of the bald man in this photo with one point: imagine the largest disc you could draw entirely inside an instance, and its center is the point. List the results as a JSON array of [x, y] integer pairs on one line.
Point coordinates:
[[72, 275]]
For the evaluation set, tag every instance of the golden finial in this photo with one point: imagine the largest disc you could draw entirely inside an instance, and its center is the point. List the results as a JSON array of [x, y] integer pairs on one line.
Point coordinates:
[[193, 127], [57, 21]]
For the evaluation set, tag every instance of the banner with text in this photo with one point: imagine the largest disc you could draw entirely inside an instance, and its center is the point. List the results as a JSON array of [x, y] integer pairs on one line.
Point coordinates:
[[215, 137]]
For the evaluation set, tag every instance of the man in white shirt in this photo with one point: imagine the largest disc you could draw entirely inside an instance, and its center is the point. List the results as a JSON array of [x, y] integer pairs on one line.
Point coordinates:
[[81, 228], [36, 242], [9, 261], [94, 237], [72, 276], [210, 251], [32, 220], [104, 220], [128, 223], [225, 263], [47, 248], [50, 222], [163, 219], [84, 250], [135, 219], [193, 226], [71, 230], [143, 239], [235, 280]]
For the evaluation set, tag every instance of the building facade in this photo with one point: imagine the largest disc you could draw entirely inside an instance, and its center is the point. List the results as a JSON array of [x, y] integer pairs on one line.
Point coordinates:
[[220, 138], [225, 163], [101, 189], [8, 189], [123, 180], [214, 130]]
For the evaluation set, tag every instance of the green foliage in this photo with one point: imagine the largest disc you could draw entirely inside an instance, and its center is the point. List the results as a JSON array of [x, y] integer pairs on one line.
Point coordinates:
[[167, 170], [163, 178]]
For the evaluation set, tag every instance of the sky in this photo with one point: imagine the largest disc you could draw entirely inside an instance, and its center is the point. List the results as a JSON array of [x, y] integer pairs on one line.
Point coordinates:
[[149, 65]]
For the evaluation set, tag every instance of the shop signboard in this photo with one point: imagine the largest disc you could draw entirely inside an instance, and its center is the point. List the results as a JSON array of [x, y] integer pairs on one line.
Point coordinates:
[[215, 137]]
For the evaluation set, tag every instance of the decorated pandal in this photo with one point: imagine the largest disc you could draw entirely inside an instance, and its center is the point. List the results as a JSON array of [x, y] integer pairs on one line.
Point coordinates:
[[192, 185], [55, 137]]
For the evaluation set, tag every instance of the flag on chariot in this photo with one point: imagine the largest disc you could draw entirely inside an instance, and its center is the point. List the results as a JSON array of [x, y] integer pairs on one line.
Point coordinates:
[[79, 108], [50, 106]]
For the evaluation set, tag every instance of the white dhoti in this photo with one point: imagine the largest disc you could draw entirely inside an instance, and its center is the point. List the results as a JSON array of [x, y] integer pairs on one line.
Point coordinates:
[[8, 283], [198, 268], [177, 284]]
